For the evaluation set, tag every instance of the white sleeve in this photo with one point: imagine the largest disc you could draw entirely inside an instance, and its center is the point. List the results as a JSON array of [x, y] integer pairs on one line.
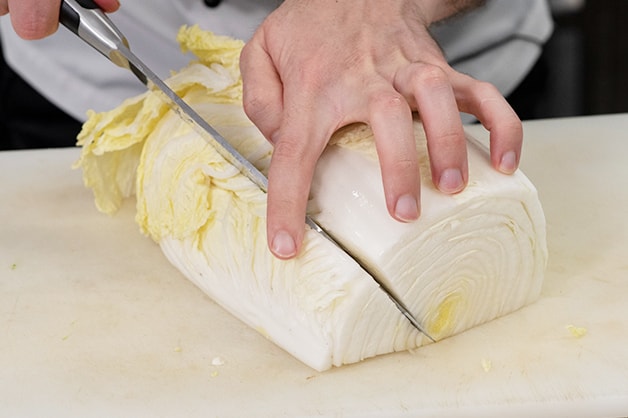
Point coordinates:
[[75, 77], [499, 42]]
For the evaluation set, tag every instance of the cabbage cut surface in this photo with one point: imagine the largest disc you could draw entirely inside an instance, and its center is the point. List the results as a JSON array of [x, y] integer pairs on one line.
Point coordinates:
[[470, 258]]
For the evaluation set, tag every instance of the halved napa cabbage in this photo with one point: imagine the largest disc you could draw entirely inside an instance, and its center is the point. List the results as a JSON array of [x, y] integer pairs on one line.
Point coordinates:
[[470, 258]]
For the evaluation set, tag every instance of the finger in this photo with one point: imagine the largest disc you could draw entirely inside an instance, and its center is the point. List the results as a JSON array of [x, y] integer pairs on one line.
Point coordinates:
[[486, 103], [108, 6], [262, 89], [34, 19], [430, 87], [390, 118], [298, 146]]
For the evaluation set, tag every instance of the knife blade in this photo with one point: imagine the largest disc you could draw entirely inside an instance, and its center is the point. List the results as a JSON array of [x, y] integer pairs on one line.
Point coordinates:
[[88, 22]]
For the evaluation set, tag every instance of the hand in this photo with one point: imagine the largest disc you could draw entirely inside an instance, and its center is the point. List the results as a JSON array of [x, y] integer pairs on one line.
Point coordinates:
[[36, 19], [313, 67]]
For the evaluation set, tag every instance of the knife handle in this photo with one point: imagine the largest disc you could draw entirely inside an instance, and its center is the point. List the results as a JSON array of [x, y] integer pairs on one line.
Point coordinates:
[[88, 22], [68, 16]]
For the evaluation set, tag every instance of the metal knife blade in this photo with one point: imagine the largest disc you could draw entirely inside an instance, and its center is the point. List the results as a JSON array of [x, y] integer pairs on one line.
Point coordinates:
[[85, 19]]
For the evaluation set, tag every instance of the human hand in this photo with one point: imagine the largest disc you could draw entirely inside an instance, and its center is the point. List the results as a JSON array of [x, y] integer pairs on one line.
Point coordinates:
[[36, 19], [313, 67]]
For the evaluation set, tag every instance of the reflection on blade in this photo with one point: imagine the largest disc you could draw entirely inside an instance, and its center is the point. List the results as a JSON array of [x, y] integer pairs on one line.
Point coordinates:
[[204, 129], [400, 305]]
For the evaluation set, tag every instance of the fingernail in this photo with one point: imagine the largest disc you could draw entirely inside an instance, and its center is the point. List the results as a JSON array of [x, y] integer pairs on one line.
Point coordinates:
[[283, 245], [451, 181], [407, 208], [508, 163]]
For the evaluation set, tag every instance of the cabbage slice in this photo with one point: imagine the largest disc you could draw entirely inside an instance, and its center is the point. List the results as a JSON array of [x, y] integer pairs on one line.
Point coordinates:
[[470, 258]]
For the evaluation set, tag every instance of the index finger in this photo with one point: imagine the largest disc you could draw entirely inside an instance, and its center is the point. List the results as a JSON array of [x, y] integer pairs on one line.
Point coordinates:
[[32, 19], [289, 179]]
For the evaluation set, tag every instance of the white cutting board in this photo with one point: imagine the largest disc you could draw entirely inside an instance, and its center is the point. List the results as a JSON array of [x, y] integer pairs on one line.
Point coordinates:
[[95, 322]]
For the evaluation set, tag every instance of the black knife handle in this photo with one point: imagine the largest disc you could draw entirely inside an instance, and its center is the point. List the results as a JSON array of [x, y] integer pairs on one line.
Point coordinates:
[[92, 25], [88, 4], [69, 18]]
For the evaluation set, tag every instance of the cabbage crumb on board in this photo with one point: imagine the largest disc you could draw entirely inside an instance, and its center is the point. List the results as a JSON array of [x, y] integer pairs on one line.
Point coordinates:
[[575, 331], [469, 259]]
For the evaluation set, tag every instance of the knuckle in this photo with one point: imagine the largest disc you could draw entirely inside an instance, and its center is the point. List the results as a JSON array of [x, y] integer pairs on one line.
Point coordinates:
[[311, 73], [513, 123], [253, 103], [483, 86], [244, 52], [453, 136], [447, 142], [391, 100], [429, 75], [280, 202], [406, 166], [262, 113], [287, 150], [486, 90], [514, 128], [247, 60]]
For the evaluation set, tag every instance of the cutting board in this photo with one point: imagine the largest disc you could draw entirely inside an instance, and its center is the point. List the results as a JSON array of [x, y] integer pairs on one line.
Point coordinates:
[[95, 322]]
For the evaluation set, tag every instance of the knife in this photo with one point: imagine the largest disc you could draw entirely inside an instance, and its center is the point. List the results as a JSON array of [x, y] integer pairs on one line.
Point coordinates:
[[88, 22]]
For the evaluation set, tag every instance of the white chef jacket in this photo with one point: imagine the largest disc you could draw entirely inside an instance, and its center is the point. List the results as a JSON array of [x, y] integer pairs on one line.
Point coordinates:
[[498, 43]]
